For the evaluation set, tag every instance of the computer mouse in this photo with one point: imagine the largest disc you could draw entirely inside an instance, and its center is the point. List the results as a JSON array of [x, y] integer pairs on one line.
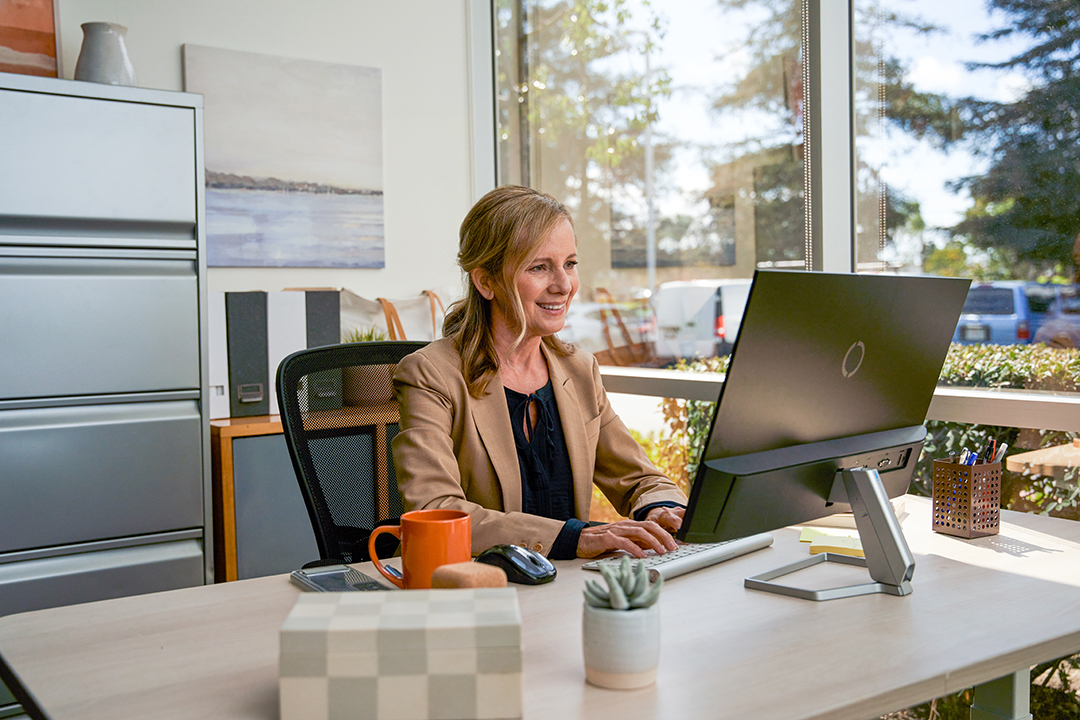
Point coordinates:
[[520, 564]]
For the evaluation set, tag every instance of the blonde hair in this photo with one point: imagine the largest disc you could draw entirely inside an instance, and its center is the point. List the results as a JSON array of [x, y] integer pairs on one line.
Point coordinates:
[[500, 236]]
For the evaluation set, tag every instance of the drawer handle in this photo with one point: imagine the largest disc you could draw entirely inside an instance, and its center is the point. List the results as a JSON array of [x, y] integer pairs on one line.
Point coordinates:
[[252, 393]]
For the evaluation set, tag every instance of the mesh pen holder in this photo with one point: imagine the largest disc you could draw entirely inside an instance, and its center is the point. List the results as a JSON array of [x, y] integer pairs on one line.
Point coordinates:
[[967, 498]]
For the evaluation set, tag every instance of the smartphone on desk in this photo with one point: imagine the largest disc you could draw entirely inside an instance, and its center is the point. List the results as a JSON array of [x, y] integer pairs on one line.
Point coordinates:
[[334, 578]]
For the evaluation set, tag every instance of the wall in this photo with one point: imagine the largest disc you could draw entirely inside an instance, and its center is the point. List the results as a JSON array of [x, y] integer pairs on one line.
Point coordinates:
[[422, 49]]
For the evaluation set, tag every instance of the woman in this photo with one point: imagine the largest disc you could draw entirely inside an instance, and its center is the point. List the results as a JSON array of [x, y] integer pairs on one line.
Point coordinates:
[[505, 421]]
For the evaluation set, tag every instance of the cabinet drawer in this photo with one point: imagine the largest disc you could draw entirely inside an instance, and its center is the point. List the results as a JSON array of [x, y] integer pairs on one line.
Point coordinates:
[[82, 326], [75, 474], [100, 575], [139, 164]]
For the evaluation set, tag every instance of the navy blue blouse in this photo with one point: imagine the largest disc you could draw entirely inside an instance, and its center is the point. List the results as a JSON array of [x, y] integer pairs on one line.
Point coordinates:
[[547, 482]]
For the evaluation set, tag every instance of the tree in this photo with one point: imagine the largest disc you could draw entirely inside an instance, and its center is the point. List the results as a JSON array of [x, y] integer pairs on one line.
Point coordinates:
[[1027, 204], [575, 112]]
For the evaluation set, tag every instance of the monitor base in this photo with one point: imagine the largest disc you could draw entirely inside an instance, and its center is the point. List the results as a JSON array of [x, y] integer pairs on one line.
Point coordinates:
[[888, 557], [762, 581]]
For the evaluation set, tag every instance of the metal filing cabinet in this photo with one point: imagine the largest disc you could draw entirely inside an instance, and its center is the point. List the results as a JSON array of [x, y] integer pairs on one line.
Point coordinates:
[[104, 439]]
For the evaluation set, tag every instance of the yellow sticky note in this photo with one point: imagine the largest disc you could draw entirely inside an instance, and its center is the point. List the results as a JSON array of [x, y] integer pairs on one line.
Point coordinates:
[[809, 533], [834, 544]]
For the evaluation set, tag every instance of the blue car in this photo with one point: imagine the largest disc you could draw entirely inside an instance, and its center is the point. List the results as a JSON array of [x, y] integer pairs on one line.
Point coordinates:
[[1000, 313]]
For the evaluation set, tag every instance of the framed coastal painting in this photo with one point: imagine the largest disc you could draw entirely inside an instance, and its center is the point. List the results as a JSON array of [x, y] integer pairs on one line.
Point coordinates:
[[293, 156], [28, 37]]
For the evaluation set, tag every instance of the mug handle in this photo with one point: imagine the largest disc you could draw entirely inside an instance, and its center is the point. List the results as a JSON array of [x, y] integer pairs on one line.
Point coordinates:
[[394, 530]]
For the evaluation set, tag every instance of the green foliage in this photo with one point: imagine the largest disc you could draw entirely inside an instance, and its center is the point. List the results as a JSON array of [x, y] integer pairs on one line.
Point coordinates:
[[582, 108], [363, 334], [688, 425], [959, 258], [1021, 367], [628, 587]]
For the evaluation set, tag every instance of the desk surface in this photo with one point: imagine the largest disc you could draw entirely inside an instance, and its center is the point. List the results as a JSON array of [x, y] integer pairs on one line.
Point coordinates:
[[981, 609]]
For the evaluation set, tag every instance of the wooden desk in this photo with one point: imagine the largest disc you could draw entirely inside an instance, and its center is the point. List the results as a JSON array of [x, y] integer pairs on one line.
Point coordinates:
[[982, 609]]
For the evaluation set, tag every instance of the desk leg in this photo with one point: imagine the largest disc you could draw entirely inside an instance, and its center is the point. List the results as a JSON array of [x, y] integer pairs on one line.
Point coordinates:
[[1007, 698]]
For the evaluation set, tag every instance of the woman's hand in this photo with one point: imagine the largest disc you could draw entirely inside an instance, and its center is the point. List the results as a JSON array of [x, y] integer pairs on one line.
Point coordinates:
[[630, 535], [669, 518]]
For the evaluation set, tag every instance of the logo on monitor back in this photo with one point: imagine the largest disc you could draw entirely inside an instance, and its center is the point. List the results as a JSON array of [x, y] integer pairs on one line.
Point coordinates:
[[853, 359]]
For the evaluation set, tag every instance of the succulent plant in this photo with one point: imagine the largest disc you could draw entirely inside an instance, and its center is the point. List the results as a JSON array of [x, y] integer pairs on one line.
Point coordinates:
[[628, 587]]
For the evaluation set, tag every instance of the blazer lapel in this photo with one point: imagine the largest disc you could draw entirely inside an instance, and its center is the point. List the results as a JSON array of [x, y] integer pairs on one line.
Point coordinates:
[[574, 431], [493, 423]]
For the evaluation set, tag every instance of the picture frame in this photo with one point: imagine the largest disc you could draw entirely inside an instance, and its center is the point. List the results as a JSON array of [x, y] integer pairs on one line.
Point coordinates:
[[293, 160], [30, 37]]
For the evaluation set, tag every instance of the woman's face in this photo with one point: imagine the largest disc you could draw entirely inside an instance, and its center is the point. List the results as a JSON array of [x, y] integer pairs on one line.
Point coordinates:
[[549, 282]]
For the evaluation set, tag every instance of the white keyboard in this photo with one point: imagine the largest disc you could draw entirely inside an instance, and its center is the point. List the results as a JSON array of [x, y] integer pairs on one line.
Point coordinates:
[[691, 556]]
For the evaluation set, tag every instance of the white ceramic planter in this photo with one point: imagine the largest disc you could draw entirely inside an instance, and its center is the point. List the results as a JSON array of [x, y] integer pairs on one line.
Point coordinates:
[[622, 647]]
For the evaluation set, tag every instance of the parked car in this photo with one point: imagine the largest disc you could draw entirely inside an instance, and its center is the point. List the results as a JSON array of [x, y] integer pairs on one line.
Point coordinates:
[[1000, 313], [699, 318], [1016, 312]]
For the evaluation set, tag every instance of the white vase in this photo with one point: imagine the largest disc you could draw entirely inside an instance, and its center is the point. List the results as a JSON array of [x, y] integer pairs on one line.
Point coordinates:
[[104, 57], [622, 647]]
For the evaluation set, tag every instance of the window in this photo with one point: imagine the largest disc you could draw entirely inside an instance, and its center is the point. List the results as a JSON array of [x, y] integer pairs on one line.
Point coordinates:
[[718, 90], [673, 132]]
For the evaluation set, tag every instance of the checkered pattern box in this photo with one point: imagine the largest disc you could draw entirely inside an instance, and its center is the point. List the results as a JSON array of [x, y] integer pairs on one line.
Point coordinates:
[[407, 655]]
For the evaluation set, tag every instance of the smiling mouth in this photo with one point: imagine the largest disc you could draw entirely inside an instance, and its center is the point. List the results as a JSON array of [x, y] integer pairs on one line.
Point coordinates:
[[546, 306]]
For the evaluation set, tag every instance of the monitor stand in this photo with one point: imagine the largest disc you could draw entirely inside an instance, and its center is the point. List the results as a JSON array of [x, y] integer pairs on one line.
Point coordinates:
[[888, 557]]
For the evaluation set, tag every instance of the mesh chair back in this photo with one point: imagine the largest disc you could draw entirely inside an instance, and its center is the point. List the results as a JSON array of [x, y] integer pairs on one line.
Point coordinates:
[[339, 415]]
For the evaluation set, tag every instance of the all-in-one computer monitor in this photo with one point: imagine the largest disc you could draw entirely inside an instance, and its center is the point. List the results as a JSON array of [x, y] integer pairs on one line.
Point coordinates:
[[822, 411]]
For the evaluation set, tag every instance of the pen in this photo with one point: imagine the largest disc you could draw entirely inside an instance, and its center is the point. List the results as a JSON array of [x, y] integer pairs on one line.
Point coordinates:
[[1000, 454]]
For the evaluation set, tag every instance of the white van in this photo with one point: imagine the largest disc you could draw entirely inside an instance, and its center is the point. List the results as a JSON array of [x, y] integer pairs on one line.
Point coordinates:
[[699, 318]]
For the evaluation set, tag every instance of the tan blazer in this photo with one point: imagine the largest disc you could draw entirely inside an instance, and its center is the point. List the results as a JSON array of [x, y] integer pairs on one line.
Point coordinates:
[[456, 451]]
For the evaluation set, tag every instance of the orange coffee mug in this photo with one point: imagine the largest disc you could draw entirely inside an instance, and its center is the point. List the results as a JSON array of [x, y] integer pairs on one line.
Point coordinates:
[[429, 538]]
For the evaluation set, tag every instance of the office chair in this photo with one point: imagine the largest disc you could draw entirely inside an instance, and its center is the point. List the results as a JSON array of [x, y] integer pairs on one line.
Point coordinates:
[[339, 415]]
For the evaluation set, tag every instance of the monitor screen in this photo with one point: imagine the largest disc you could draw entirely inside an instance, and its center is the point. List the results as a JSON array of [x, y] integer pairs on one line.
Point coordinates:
[[829, 371]]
